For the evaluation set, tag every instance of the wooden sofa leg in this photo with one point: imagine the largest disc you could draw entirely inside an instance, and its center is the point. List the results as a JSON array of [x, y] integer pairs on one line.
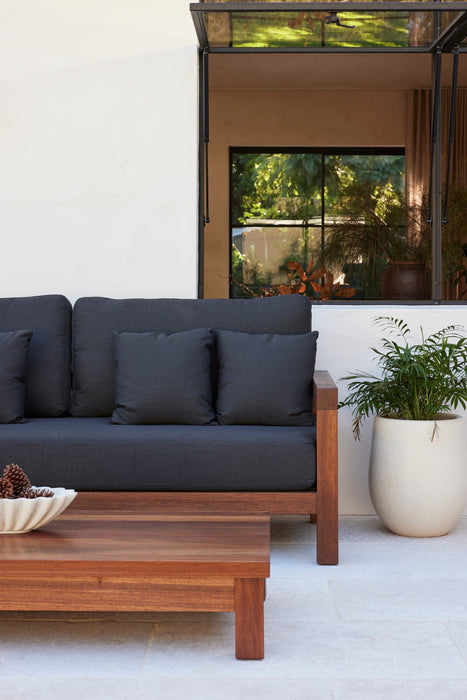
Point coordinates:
[[326, 470], [327, 545], [327, 519]]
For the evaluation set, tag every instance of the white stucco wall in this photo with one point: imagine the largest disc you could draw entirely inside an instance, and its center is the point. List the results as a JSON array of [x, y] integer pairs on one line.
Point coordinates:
[[346, 334], [98, 144]]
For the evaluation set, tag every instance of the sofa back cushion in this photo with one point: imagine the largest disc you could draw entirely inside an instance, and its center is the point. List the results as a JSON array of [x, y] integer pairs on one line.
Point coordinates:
[[96, 318], [14, 350], [48, 369]]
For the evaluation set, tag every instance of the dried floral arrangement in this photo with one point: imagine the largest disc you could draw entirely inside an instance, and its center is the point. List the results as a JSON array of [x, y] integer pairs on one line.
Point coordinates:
[[16, 484]]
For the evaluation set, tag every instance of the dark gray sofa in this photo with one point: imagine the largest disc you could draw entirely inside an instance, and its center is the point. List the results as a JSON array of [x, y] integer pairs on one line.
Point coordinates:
[[74, 379]]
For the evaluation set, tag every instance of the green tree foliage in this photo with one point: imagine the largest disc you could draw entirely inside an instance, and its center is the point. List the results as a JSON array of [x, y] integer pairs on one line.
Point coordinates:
[[316, 189], [305, 29], [276, 186], [290, 185]]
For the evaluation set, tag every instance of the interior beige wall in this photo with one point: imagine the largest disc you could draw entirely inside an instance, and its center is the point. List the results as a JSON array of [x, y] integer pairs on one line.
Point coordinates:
[[286, 118]]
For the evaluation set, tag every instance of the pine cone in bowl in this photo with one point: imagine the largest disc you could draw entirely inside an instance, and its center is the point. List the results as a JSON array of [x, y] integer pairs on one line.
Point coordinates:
[[32, 492], [24, 507], [6, 488], [17, 477]]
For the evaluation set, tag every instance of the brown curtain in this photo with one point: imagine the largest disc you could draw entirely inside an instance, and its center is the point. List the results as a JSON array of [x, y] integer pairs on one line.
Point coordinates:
[[418, 159], [418, 144], [459, 150]]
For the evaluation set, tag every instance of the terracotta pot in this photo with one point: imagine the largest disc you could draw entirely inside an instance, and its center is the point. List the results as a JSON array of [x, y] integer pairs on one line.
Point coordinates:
[[418, 474], [404, 280]]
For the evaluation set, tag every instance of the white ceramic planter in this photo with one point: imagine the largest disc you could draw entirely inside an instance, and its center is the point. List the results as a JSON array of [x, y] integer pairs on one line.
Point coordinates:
[[418, 486]]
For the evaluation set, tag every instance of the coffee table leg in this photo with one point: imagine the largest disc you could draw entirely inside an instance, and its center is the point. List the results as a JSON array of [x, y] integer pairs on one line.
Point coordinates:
[[249, 618]]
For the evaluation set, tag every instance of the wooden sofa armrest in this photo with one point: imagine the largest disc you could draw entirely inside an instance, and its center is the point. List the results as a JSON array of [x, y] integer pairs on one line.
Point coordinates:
[[324, 391], [325, 407]]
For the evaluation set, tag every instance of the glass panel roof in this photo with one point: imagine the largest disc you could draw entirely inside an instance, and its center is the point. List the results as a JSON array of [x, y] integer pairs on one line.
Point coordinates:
[[368, 25]]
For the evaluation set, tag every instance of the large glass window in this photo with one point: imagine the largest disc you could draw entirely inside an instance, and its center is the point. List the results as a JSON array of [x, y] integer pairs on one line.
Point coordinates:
[[330, 223]]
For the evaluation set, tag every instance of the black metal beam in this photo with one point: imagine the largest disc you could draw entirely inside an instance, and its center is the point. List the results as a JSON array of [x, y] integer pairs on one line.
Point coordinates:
[[452, 35], [206, 130], [436, 95], [200, 29], [436, 184], [200, 179], [328, 6], [315, 49], [452, 120]]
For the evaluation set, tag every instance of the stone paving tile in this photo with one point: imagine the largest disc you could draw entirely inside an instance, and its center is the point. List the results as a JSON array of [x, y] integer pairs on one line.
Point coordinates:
[[307, 600], [164, 689], [430, 689], [370, 530], [87, 649], [373, 561], [295, 529], [406, 599], [314, 651], [458, 631]]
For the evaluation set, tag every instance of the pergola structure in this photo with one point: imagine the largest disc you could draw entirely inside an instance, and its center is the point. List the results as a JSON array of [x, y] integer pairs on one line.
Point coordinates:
[[373, 27]]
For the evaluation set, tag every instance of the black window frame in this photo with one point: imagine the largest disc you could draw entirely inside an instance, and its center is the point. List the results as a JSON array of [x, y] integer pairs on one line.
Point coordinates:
[[325, 151]]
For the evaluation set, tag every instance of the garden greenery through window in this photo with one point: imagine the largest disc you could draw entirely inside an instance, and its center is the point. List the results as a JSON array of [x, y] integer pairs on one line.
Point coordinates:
[[329, 223]]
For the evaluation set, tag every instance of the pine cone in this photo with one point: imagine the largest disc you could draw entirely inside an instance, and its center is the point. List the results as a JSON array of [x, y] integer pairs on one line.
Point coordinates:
[[27, 493], [17, 477], [6, 488], [44, 492], [32, 492]]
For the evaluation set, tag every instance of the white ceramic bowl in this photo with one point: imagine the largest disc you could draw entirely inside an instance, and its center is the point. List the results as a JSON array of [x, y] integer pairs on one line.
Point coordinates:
[[19, 515]]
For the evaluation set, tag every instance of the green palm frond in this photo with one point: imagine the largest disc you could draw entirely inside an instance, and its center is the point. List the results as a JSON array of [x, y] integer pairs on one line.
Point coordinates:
[[419, 380]]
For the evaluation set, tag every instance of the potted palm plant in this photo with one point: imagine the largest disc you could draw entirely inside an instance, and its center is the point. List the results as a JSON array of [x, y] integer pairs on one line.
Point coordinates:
[[418, 468]]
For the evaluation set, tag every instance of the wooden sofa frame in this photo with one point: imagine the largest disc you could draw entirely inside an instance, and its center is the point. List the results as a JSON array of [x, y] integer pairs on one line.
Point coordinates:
[[320, 503]]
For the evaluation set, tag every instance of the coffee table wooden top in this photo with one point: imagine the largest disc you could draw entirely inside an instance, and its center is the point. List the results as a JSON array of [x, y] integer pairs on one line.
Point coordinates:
[[115, 542]]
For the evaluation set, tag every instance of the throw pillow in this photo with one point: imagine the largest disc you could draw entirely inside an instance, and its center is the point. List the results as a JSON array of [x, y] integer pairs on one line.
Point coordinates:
[[14, 347], [265, 379], [163, 378]]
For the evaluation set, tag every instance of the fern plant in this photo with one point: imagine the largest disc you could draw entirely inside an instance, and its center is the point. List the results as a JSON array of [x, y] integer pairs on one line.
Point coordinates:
[[419, 380]]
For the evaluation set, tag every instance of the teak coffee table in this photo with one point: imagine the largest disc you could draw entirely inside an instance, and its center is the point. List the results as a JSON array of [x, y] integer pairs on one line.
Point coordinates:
[[122, 560]]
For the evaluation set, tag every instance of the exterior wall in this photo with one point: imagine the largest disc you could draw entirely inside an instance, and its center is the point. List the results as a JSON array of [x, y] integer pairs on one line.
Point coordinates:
[[99, 148]]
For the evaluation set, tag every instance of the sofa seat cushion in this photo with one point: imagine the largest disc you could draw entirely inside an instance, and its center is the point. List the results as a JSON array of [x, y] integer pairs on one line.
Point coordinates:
[[93, 454]]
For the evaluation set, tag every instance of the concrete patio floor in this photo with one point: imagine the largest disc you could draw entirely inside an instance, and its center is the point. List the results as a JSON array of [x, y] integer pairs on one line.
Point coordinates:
[[388, 623]]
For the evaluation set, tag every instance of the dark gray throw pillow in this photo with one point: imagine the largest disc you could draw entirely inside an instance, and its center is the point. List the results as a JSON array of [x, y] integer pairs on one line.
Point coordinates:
[[265, 379], [163, 378], [14, 348]]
